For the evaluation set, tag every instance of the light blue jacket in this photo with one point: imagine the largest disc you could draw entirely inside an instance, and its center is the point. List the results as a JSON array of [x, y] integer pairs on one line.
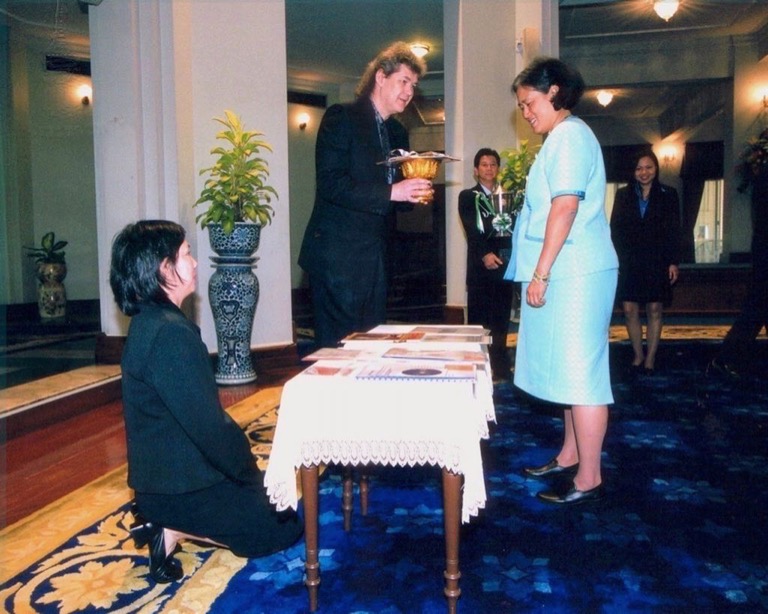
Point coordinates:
[[569, 162]]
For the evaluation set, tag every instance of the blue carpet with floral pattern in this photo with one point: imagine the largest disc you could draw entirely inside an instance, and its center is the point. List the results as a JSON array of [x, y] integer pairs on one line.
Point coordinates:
[[684, 526]]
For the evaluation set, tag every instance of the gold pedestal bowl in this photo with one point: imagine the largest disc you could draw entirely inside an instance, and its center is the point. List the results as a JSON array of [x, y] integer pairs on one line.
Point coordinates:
[[421, 168]]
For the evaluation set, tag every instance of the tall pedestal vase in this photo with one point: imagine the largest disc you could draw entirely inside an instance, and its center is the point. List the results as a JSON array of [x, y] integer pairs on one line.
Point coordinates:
[[51, 294], [234, 292]]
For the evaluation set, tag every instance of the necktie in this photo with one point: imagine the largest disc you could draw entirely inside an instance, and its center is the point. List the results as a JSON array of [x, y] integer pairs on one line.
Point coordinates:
[[385, 147]]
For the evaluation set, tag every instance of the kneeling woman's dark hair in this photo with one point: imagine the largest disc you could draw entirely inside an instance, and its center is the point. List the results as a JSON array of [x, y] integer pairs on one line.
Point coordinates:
[[137, 253], [543, 73]]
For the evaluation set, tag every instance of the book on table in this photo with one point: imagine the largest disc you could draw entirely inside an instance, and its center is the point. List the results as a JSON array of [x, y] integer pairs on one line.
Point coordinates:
[[340, 354], [331, 368], [421, 371], [420, 337], [449, 329], [424, 353]]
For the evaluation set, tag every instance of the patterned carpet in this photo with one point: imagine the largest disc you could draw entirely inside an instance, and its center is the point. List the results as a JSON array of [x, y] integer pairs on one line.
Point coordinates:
[[684, 527], [91, 563]]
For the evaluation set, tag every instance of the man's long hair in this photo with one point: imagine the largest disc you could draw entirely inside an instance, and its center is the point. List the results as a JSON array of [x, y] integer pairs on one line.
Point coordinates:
[[389, 61]]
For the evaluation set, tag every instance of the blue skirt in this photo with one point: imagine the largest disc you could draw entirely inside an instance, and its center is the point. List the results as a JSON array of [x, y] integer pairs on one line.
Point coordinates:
[[562, 347]]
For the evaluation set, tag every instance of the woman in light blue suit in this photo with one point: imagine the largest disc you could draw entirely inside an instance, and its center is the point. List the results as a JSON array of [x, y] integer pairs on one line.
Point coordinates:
[[562, 252]]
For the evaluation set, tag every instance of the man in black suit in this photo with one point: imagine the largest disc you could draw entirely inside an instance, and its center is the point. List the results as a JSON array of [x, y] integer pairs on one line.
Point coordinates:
[[737, 354], [489, 295], [344, 247]]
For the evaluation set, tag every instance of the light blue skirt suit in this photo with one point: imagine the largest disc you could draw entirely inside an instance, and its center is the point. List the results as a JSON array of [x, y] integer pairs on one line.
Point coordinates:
[[562, 348]]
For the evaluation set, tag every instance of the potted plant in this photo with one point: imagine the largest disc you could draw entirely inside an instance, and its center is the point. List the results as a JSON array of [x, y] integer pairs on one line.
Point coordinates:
[[236, 189], [239, 206], [753, 161], [51, 271], [514, 172]]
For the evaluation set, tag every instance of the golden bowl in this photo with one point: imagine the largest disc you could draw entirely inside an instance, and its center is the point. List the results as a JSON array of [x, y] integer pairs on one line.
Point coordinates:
[[422, 168]]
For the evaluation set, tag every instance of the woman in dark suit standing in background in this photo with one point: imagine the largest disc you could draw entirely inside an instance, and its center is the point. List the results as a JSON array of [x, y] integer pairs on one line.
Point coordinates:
[[189, 463], [645, 229]]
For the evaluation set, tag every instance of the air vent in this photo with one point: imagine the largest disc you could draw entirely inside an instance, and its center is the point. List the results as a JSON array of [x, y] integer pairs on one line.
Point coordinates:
[[71, 65], [307, 99]]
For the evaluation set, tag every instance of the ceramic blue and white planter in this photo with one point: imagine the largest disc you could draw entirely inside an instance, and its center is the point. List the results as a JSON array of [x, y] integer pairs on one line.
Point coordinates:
[[233, 291], [242, 243]]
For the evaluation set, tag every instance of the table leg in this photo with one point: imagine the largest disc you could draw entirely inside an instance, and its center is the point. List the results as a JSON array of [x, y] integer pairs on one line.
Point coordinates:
[[346, 496], [451, 518], [311, 564], [363, 494]]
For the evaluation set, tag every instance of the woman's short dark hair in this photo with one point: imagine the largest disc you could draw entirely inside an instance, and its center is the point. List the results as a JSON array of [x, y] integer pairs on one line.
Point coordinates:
[[543, 73], [137, 253], [487, 151], [389, 61]]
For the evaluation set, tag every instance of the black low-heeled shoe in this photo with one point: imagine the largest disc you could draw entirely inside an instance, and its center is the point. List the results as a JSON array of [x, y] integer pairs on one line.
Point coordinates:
[[141, 532], [551, 468], [572, 496], [163, 568], [722, 370], [137, 516]]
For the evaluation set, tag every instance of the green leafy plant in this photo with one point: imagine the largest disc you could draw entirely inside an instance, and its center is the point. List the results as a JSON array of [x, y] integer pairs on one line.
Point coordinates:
[[753, 161], [50, 250], [236, 189], [514, 172]]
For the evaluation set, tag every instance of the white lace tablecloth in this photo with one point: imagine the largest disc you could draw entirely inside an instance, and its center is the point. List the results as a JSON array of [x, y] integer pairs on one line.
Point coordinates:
[[337, 419]]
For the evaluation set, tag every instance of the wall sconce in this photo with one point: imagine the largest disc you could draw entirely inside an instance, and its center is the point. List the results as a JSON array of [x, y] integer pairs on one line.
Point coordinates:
[[604, 97], [419, 49], [85, 93], [668, 155], [666, 8], [303, 120], [759, 95]]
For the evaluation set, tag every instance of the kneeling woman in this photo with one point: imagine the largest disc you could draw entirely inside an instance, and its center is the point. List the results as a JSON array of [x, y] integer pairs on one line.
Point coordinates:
[[189, 463]]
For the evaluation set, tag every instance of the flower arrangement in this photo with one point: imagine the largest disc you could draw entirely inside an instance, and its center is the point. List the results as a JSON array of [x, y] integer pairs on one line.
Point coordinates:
[[753, 161], [514, 172]]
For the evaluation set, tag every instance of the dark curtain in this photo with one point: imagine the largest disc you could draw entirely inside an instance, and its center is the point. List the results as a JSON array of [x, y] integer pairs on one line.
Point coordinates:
[[701, 162], [693, 188]]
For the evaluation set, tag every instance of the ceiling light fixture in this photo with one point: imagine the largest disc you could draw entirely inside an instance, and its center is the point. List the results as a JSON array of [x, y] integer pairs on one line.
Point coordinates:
[[666, 8], [604, 97], [419, 49]]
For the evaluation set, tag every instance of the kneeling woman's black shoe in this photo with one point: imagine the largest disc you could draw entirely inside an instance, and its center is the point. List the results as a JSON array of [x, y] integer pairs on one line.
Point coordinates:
[[162, 568]]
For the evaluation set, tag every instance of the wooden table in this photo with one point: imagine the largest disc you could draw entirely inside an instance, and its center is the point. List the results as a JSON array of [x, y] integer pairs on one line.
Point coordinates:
[[339, 419]]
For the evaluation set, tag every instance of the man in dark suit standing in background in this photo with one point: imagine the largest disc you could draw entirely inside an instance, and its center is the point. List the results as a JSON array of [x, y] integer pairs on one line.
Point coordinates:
[[489, 295], [344, 246], [737, 355]]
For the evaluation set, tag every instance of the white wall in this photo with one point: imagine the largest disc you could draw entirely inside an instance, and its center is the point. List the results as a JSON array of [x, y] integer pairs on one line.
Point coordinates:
[[166, 68]]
